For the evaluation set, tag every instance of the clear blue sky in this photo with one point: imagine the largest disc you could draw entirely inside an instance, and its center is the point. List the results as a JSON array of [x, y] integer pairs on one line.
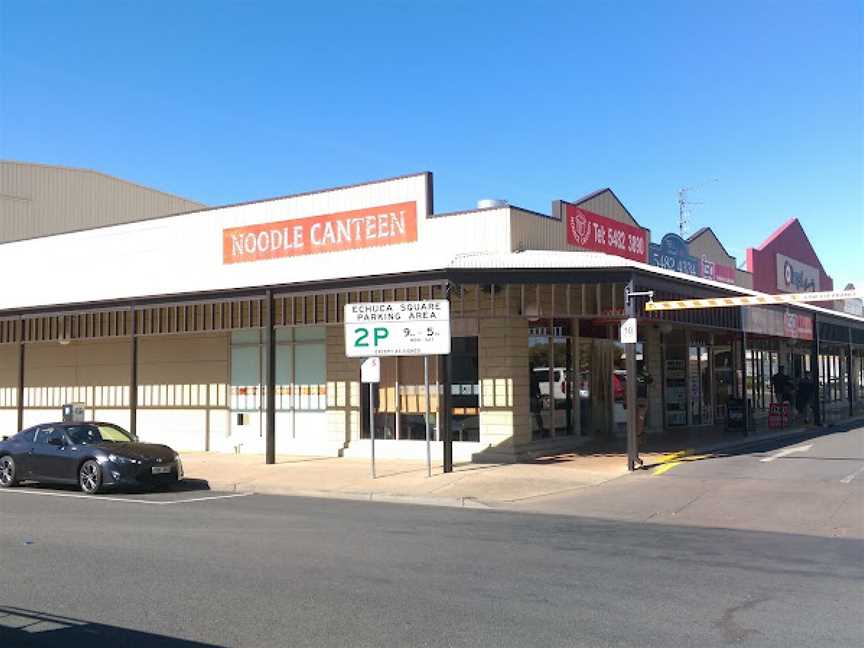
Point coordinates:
[[229, 101]]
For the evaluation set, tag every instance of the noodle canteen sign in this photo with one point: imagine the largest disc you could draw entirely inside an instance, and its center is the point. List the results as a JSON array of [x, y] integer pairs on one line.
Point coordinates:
[[408, 328], [361, 228]]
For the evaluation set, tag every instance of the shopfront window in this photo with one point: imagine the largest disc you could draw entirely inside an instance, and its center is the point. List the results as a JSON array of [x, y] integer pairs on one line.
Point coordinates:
[[724, 379], [400, 397], [300, 370], [465, 389], [552, 379], [246, 376]]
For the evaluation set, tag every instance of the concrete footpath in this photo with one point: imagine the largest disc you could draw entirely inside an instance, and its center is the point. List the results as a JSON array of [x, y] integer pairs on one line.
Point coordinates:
[[469, 485]]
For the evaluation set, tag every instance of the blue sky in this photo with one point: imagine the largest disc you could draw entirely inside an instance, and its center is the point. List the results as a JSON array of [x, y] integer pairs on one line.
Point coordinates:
[[230, 101]]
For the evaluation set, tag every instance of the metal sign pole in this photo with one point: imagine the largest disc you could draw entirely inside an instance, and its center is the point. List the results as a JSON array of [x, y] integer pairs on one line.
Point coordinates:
[[372, 423], [428, 437]]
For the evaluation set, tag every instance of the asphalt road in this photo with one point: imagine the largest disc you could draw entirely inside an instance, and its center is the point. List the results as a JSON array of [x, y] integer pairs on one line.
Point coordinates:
[[282, 571], [810, 484]]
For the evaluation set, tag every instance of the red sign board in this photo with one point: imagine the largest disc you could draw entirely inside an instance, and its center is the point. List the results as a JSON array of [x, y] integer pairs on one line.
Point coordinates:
[[361, 228], [775, 322], [592, 231], [717, 272]]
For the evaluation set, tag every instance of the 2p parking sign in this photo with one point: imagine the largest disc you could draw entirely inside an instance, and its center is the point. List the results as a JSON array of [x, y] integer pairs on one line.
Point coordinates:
[[406, 328]]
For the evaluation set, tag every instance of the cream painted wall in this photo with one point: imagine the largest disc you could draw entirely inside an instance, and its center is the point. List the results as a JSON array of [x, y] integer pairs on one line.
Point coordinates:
[[8, 365], [8, 422], [8, 389], [504, 385]]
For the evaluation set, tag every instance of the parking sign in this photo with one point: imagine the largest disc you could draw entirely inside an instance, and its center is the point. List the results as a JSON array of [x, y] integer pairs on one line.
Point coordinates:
[[408, 328]]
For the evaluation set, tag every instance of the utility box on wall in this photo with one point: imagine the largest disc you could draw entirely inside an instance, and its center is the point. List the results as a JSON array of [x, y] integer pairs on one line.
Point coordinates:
[[73, 413]]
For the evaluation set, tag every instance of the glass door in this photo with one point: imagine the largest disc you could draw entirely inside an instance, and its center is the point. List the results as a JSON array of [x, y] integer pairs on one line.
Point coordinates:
[[552, 380], [699, 388]]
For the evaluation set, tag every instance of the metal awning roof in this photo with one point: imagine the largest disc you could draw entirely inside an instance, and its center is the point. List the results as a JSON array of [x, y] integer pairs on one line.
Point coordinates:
[[561, 260]]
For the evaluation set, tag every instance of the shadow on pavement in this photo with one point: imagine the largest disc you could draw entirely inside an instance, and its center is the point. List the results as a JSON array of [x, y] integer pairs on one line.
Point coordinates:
[[187, 485], [27, 628]]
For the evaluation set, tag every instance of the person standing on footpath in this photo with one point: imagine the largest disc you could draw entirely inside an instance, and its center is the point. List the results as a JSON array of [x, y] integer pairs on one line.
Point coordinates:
[[780, 385], [804, 396]]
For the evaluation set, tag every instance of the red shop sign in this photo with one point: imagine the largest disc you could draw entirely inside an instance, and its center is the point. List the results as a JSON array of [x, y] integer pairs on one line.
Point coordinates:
[[799, 327], [592, 231]]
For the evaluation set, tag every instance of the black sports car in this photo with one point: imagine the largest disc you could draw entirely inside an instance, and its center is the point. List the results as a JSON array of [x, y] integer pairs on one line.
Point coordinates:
[[92, 455]]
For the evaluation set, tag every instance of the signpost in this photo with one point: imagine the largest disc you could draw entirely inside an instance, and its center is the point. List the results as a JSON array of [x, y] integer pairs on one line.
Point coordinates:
[[407, 328], [370, 372]]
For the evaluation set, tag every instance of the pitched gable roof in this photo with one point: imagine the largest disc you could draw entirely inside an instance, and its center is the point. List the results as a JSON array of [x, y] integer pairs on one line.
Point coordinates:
[[707, 230], [598, 192], [792, 223]]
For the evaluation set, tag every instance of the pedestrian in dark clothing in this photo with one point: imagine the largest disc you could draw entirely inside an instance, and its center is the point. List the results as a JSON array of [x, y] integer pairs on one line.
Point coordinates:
[[804, 397], [781, 385]]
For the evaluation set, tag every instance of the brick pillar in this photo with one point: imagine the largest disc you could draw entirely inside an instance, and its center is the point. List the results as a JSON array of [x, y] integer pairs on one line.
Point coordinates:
[[504, 385]]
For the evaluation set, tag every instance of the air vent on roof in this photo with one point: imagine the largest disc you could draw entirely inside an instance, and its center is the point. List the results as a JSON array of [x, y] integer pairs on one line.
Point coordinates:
[[490, 203]]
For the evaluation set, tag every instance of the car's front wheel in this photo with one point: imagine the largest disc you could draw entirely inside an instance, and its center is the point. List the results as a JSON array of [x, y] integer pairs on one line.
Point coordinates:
[[7, 472], [90, 477]]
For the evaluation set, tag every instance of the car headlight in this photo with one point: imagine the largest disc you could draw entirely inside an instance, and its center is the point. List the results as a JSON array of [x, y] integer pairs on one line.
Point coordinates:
[[179, 464], [119, 459]]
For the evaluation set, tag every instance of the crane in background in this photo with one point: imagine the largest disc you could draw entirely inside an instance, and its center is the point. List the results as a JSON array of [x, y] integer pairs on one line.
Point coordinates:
[[684, 205]]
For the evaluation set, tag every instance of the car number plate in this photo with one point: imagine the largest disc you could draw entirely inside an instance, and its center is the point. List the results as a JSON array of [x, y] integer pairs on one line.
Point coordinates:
[[161, 470]]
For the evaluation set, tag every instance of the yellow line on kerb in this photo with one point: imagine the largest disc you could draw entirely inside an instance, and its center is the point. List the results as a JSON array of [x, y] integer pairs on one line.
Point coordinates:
[[674, 456], [659, 470], [685, 456]]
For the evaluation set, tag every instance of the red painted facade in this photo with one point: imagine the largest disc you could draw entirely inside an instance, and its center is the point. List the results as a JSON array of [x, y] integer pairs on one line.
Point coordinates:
[[789, 241]]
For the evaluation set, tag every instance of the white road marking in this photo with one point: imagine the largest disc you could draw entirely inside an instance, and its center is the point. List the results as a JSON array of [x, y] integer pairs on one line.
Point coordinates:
[[102, 498], [848, 478], [785, 452]]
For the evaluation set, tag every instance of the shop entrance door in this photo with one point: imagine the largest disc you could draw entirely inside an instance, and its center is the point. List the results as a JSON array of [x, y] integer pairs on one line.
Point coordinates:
[[596, 387], [552, 380], [699, 387]]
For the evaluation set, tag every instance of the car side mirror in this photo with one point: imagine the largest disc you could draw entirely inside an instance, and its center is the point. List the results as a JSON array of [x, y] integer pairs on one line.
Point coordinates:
[[56, 442]]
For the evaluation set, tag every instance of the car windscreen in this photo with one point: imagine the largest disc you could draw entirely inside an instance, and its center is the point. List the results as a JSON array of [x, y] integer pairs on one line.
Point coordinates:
[[90, 434], [116, 434]]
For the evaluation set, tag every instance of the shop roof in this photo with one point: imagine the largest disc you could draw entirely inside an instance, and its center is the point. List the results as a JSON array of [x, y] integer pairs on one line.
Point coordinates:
[[549, 260]]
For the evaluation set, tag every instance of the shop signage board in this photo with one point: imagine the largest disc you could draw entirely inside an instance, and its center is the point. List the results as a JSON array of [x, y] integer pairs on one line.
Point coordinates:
[[406, 328], [777, 323], [673, 253], [717, 271], [592, 231], [360, 228], [795, 276]]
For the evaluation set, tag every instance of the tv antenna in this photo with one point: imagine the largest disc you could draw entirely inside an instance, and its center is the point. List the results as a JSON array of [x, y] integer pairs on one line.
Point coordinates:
[[685, 204]]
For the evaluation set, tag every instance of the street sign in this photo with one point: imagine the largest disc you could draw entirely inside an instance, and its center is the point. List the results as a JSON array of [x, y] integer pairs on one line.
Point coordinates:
[[370, 370], [407, 328], [628, 331]]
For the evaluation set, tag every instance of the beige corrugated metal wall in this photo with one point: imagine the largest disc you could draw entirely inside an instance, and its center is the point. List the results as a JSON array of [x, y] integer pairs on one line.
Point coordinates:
[[708, 245], [38, 200], [606, 204]]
